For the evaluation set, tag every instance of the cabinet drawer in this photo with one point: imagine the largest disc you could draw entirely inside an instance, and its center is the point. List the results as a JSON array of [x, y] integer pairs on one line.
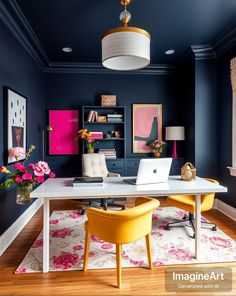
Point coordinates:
[[132, 163], [114, 163]]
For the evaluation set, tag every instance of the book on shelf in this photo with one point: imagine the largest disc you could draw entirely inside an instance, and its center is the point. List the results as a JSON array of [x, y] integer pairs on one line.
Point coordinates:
[[109, 153], [119, 120], [96, 135], [92, 116], [88, 181], [115, 115]]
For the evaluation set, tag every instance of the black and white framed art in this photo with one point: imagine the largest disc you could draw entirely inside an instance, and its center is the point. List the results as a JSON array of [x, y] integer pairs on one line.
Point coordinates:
[[15, 122]]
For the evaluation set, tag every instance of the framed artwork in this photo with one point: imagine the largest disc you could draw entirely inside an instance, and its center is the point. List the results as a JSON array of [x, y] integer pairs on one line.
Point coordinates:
[[64, 131], [15, 127], [147, 126]]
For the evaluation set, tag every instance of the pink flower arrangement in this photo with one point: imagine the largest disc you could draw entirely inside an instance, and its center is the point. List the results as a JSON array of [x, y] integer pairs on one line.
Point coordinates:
[[25, 175]]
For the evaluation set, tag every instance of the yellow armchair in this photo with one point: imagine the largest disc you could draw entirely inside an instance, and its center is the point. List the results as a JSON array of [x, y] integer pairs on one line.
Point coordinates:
[[187, 203], [121, 227]]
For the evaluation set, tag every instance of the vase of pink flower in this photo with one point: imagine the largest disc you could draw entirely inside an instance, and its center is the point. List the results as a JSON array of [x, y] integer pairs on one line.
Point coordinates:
[[25, 177]]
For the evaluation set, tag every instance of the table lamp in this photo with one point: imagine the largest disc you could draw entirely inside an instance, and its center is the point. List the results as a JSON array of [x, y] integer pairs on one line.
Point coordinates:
[[174, 133]]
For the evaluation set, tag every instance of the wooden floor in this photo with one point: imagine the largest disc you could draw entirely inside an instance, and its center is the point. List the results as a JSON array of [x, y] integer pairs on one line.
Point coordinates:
[[136, 281]]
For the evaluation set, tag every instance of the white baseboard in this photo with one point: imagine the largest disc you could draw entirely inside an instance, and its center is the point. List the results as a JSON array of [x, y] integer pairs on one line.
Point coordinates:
[[11, 233], [225, 209]]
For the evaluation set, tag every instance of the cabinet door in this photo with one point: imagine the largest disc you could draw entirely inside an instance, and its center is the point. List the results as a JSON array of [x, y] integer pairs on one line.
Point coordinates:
[[132, 167], [115, 166]]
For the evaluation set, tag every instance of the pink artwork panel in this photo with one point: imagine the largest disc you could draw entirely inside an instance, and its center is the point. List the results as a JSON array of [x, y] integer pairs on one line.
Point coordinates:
[[147, 126], [62, 139]]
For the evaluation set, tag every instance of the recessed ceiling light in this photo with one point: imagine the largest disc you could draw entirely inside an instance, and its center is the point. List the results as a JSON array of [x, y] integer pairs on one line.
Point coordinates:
[[170, 51], [67, 49]]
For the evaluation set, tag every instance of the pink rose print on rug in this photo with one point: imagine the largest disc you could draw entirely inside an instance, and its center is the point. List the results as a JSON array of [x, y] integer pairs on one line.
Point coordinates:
[[220, 242], [38, 243], [62, 232], [65, 261], [180, 254]]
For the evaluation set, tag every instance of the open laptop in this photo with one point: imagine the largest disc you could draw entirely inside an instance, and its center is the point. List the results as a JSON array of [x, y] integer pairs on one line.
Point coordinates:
[[150, 171]]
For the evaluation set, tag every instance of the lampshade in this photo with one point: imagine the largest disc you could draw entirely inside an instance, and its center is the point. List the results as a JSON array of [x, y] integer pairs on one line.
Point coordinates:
[[125, 48], [175, 133]]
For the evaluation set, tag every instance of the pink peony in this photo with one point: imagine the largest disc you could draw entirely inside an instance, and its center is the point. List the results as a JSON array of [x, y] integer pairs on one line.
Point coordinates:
[[19, 167], [62, 232], [27, 177], [16, 152], [41, 168], [65, 260], [106, 246], [40, 179], [55, 221], [77, 248], [52, 175], [38, 243], [18, 180], [31, 166]]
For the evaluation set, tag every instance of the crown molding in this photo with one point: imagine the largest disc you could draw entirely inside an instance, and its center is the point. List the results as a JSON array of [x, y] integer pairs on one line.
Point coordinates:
[[226, 42], [14, 19], [95, 68], [203, 52]]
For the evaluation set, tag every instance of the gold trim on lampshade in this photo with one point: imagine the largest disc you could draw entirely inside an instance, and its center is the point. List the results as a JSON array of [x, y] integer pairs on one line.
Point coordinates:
[[126, 29]]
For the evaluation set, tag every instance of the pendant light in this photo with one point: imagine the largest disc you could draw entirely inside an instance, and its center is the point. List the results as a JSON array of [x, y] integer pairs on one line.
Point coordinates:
[[125, 48]]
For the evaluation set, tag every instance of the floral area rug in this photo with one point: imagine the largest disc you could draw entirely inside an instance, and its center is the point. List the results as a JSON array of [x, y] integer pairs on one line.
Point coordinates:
[[169, 247]]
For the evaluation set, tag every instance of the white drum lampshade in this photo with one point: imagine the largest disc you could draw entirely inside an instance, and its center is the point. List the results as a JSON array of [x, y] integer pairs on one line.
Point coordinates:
[[175, 133], [126, 49]]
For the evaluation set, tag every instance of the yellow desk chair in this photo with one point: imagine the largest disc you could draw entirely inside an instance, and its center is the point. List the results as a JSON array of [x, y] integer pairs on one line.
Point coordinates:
[[121, 227], [187, 203]]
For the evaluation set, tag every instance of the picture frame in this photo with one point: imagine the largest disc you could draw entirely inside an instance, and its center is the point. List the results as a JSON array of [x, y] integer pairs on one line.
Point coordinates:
[[64, 126], [15, 107], [147, 126]]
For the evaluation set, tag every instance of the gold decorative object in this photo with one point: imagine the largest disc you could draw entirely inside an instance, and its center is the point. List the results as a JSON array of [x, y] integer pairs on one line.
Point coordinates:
[[188, 172], [108, 100]]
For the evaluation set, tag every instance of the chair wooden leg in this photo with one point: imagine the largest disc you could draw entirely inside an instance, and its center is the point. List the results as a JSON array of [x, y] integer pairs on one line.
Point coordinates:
[[86, 249], [149, 251], [118, 264]]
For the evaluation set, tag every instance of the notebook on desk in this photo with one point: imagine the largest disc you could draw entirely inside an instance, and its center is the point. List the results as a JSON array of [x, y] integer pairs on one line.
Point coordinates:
[[88, 181], [150, 171]]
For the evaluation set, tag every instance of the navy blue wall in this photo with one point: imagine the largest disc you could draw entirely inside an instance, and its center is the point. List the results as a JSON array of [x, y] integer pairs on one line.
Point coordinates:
[[71, 91], [225, 131], [206, 118], [19, 71]]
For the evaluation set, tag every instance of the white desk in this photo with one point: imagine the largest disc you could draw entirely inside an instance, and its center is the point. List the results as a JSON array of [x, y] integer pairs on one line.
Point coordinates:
[[61, 188]]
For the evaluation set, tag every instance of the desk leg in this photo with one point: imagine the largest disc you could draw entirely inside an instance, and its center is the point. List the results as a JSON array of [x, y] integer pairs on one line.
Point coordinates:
[[197, 226], [46, 235]]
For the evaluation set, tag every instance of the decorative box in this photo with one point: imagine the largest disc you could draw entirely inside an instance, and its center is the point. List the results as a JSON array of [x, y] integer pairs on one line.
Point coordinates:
[[108, 100]]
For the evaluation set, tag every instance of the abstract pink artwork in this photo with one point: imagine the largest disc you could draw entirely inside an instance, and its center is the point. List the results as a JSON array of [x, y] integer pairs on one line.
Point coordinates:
[[62, 138], [147, 126]]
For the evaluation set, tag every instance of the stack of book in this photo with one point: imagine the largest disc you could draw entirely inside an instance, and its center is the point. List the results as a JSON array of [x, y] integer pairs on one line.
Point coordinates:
[[96, 135], [92, 116], [115, 118], [88, 182], [109, 153]]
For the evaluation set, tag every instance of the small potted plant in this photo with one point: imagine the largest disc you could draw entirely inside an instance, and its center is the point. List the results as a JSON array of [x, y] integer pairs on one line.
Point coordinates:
[[157, 147], [86, 136]]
